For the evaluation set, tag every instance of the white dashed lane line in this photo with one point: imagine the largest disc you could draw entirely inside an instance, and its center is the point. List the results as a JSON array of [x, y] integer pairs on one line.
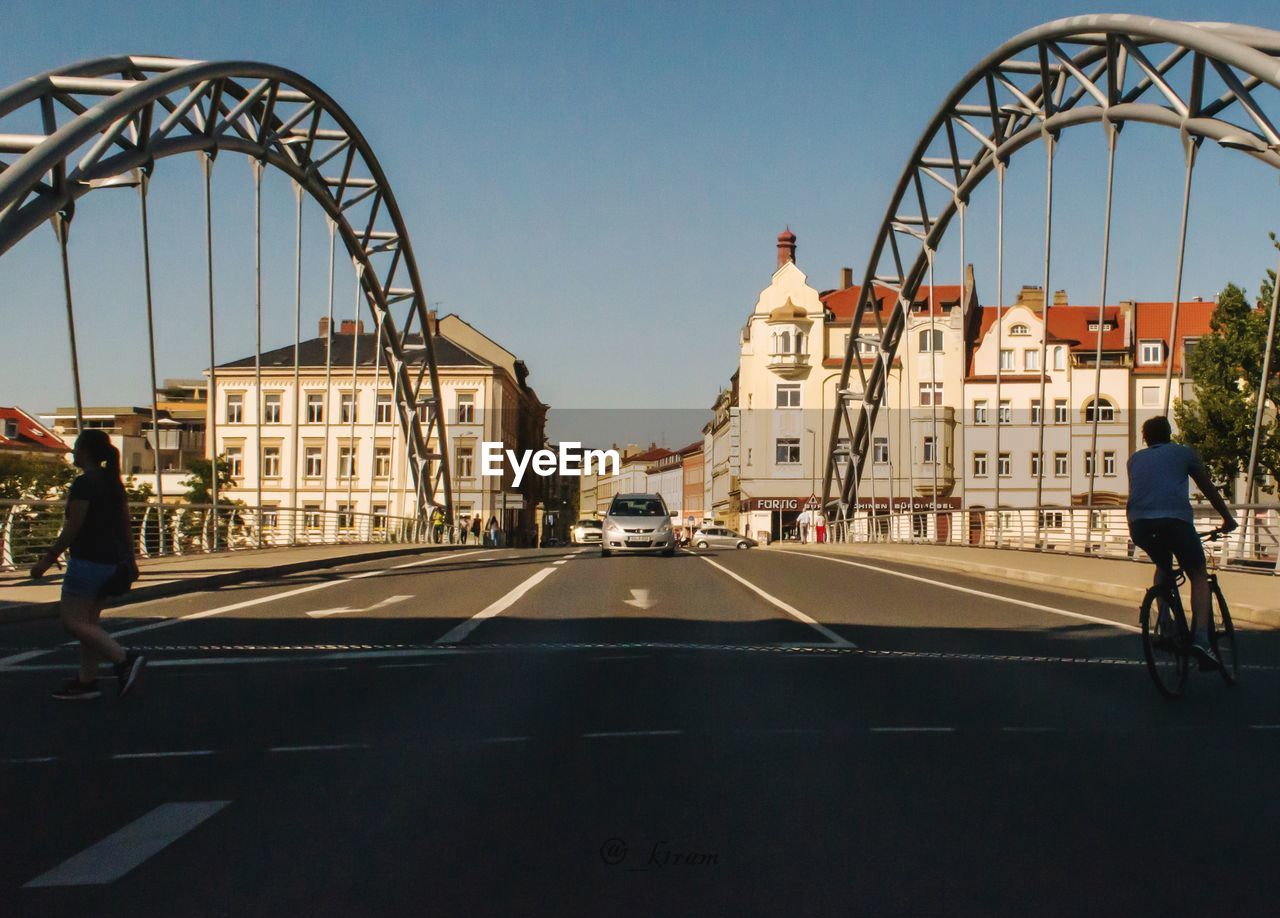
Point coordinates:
[[785, 607]]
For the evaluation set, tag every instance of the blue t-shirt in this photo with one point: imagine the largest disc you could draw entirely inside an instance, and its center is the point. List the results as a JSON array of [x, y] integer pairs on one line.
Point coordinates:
[[1158, 482]]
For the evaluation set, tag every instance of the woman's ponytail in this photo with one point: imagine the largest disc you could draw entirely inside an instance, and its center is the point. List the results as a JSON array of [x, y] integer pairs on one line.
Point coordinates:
[[101, 450]]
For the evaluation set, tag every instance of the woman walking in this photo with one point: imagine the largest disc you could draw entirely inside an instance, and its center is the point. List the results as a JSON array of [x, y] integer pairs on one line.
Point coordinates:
[[101, 562]]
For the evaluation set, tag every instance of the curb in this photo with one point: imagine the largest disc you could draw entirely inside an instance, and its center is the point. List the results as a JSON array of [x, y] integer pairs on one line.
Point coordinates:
[[1122, 594], [29, 611]]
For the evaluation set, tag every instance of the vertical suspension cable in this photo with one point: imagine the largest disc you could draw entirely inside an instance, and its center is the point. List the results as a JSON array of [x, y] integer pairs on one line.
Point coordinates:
[[206, 164], [1102, 306], [297, 368], [933, 397], [61, 228], [964, 324], [1192, 147], [328, 392], [1249, 485], [1050, 146], [373, 437], [151, 352], [351, 437], [256, 166], [904, 404], [1000, 167]]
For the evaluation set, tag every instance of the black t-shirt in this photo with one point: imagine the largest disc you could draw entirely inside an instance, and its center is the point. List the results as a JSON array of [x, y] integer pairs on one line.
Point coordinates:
[[100, 537]]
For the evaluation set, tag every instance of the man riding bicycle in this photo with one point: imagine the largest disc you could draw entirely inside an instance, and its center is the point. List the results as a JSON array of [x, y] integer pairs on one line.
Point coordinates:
[[1161, 522]]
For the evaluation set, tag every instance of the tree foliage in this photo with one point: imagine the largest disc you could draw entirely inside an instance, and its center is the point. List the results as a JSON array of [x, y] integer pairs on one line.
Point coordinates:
[[1226, 367], [26, 477], [200, 485]]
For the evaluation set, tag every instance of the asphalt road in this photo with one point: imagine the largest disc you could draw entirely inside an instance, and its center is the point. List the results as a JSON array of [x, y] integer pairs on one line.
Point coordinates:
[[549, 732]]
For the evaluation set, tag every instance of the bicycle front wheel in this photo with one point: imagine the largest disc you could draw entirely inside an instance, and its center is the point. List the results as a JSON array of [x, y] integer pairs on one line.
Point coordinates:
[[1163, 642], [1222, 637]]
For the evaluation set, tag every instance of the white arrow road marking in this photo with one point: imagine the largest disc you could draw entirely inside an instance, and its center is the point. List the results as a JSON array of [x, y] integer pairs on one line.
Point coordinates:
[[640, 599], [390, 600]]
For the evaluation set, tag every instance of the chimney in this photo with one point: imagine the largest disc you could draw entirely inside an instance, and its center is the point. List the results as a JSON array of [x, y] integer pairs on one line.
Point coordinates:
[[433, 322], [324, 326], [1032, 297], [846, 278], [351, 327], [786, 247], [1059, 298]]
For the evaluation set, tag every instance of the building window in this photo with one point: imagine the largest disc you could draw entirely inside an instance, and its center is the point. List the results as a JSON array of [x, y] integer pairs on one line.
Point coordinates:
[[349, 411], [315, 407], [1004, 465], [1006, 411], [1109, 463], [980, 411], [930, 451], [314, 467], [1188, 348], [424, 411], [235, 462], [842, 451], [1051, 519], [1006, 359], [270, 516], [1035, 411], [346, 462], [1150, 396], [1060, 465], [1035, 465], [930, 394], [979, 465], [466, 407], [787, 451], [788, 396], [799, 342], [311, 516], [867, 348], [880, 451], [235, 408], [1031, 359], [1059, 358], [346, 516], [270, 462], [1019, 331], [1088, 462], [271, 408], [1060, 411], [464, 462], [382, 409], [1106, 411], [380, 516], [1150, 352], [381, 462], [930, 340]]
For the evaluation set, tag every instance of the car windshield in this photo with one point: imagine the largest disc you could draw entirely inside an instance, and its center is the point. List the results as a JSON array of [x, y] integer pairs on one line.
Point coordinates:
[[637, 506], [590, 524]]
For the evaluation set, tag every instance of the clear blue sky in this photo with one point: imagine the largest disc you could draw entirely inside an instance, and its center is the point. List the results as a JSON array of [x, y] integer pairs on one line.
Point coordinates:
[[596, 185]]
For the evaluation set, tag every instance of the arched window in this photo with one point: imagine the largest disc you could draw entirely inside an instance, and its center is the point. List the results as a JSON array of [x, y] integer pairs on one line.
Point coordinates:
[[1106, 411], [799, 342], [786, 343], [1019, 330], [775, 343], [930, 340]]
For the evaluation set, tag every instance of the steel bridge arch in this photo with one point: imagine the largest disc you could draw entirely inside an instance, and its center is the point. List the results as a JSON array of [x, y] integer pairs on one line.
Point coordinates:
[[154, 107], [1077, 76]]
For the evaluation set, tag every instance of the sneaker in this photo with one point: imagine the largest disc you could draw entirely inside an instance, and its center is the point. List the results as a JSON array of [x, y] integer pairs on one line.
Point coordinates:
[[127, 672], [1205, 657], [75, 690]]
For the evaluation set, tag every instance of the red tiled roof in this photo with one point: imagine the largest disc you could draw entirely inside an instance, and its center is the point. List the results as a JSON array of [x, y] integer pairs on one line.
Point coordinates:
[[1068, 324], [1151, 322], [844, 303], [652, 455], [31, 434]]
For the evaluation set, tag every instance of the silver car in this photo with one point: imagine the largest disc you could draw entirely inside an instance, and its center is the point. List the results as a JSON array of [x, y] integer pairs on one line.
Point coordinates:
[[638, 523], [586, 531], [720, 537]]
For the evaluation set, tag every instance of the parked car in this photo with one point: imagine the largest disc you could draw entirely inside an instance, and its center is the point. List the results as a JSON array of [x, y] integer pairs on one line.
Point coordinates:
[[637, 523], [719, 537], [586, 531]]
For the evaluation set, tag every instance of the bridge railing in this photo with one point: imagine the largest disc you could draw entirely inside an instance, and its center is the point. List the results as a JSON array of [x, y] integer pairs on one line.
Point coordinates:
[[29, 527], [1099, 531]]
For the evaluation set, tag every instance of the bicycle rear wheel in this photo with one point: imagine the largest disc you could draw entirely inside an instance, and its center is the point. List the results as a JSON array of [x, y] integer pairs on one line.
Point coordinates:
[[1164, 641], [1222, 637]]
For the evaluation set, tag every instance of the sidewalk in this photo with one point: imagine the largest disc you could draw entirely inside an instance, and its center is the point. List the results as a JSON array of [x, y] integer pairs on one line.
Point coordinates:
[[22, 598], [1253, 598]]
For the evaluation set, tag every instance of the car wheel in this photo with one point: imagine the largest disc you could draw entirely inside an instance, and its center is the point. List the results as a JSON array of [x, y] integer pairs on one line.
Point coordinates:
[[743, 545], [604, 553], [669, 552], [702, 544]]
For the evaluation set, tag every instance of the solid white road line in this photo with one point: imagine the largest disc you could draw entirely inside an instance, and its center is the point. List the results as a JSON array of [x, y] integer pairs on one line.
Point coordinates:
[[122, 851], [165, 623], [913, 729], [460, 632], [611, 734], [175, 754], [321, 747], [380, 604], [972, 592], [789, 609]]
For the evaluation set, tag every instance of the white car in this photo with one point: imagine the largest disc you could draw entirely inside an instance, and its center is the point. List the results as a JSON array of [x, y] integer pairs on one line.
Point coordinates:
[[638, 523], [720, 537], [586, 531]]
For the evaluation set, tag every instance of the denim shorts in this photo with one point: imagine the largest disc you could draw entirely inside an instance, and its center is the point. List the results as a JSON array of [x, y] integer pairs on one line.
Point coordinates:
[[1166, 539], [84, 579]]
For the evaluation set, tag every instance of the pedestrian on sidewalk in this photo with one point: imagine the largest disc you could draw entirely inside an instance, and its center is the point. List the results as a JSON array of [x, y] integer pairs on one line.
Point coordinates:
[[101, 563], [463, 528], [475, 528], [492, 529]]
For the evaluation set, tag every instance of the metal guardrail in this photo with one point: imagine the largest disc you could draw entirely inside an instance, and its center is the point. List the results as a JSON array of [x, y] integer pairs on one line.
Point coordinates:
[[1096, 531], [29, 527]]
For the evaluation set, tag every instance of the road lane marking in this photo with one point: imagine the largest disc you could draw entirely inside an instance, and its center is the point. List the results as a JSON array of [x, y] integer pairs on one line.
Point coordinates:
[[1029, 729], [983, 593], [913, 729], [640, 599], [30, 760], [319, 747], [1264, 726], [612, 734], [175, 754], [506, 739], [789, 609], [459, 632], [165, 623], [558, 563], [122, 851], [381, 603]]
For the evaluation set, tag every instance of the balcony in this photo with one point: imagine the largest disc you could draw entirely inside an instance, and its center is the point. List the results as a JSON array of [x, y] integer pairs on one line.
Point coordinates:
[[789, 365]]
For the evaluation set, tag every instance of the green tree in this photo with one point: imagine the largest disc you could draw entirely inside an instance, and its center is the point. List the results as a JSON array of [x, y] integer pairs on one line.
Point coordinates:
[[24, 477], [1226, 367], [200, 485]]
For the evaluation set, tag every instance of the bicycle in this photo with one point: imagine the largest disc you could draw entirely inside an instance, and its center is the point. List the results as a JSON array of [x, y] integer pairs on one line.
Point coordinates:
[[1166, 638]]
